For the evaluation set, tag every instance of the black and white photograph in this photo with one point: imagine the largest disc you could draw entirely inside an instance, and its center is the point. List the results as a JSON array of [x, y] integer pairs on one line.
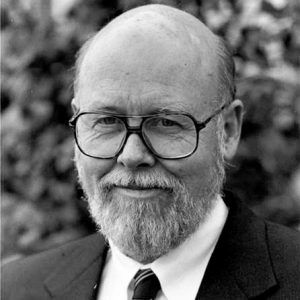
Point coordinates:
[[150, 149]]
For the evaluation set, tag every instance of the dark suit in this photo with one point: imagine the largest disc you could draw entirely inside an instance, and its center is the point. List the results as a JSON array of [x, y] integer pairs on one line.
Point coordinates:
[[252, 259]]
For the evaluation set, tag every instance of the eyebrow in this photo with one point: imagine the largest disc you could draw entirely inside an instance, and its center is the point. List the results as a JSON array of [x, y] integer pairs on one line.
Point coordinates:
[[168, 108], [109, 108]]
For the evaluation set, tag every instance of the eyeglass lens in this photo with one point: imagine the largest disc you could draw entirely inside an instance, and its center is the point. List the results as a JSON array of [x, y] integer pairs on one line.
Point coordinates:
[[168, 136]]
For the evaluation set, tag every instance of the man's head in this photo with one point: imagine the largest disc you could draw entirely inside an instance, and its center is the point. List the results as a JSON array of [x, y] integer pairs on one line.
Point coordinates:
[[155, 59]]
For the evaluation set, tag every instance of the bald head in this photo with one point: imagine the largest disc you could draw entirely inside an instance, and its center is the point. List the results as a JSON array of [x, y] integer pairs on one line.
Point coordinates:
[[157, 42]]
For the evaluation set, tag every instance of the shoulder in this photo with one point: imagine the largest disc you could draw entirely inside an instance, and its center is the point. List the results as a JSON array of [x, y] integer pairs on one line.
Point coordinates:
[[49, 258], [261, 253], [30, 272], [284, 247], [282, 237]]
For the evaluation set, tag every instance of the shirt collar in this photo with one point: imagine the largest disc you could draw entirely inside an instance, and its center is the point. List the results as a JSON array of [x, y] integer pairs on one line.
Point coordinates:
[[181, 270]]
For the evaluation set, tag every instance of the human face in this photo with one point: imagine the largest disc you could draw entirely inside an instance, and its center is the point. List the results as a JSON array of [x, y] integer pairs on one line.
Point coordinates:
[[143, 204]]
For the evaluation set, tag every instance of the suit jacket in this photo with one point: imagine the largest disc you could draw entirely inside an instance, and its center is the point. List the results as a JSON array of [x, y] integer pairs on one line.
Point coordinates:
[[253, 259]]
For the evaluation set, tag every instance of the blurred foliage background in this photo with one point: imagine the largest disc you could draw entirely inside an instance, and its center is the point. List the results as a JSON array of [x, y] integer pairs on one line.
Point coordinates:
[[41, 202]]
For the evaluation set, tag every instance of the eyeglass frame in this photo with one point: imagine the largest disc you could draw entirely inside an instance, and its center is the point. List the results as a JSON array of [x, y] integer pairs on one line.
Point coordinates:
[[138, 129]]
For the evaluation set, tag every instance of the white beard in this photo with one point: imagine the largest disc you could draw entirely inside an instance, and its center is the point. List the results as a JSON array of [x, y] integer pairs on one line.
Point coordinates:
[[145, 230]]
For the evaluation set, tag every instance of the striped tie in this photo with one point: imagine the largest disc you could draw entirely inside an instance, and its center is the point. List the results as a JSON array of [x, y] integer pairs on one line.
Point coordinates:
[[146, 285]]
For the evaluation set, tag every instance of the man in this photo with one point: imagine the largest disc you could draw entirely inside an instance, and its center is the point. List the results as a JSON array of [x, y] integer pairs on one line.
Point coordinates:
[[155, 120]]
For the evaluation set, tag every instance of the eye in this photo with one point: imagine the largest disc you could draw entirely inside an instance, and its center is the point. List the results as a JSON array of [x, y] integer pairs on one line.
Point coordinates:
[[168, 122], [105, 123], [108, 121], [165, 123]]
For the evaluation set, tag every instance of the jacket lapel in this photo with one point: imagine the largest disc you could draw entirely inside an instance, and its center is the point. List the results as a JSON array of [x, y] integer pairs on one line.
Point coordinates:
[[79, 272], [240, 266]]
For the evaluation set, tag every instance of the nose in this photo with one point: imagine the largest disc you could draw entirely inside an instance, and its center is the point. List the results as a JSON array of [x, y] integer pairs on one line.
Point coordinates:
[[135, 154]]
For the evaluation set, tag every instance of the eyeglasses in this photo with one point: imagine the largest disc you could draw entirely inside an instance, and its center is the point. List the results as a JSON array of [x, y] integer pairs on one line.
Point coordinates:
[[167, 135]]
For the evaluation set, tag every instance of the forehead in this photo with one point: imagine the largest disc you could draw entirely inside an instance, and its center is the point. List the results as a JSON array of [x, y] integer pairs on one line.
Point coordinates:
[[138, 98], [140, 67]]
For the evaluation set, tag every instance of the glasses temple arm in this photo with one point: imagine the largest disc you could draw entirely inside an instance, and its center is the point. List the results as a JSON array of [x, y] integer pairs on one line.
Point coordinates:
[[201, 125]]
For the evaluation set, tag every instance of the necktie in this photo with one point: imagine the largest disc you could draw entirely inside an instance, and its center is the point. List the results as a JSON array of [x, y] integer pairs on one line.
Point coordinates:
[[146, 285]]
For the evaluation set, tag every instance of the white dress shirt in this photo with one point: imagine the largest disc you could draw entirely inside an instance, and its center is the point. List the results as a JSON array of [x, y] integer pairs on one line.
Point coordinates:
[[180, 271]]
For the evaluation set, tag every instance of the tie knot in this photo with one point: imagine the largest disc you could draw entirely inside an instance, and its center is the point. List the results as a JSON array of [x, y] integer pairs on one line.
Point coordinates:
[[146, 285]]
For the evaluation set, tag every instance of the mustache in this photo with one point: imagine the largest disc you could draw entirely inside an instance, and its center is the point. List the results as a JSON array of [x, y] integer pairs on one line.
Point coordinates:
[[139, 180]]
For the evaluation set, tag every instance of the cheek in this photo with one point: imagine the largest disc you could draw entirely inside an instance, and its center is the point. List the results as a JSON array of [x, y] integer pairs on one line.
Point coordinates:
[[194, 171], [189, 169], [90, 169]]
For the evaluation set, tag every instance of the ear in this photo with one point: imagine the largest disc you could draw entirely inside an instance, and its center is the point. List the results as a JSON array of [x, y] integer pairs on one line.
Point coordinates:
[[74, 105], [233, 117]]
